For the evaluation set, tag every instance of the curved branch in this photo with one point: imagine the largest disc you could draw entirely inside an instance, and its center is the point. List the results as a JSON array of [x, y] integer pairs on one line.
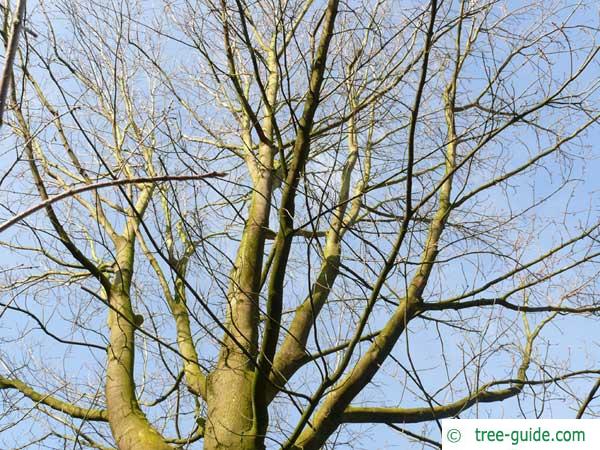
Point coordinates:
[[482, 395], [70, 409], [90, 187], [48, 332]]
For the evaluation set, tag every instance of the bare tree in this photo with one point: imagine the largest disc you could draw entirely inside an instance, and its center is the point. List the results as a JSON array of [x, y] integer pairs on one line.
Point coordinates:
[[293, 224]]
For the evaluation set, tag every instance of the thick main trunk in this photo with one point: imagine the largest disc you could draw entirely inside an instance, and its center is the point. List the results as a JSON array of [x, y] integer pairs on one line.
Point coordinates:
[[231, 422], [230, 414], [129, 425]]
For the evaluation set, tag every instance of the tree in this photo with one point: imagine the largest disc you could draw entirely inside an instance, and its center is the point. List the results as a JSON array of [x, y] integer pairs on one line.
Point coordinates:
[[249, 225]]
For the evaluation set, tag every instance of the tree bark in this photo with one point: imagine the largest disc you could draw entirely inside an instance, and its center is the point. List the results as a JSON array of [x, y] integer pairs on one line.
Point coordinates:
[[231, 415], [128, 423]]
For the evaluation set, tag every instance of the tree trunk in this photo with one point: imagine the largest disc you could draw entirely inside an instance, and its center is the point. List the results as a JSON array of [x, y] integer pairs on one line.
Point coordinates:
[[230, 413], [231, 422], [129, 425]]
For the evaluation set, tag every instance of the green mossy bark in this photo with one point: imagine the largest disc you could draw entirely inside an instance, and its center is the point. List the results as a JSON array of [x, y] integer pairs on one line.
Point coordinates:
[[130, 428], [230, 395], [129, 425], [230, 412]]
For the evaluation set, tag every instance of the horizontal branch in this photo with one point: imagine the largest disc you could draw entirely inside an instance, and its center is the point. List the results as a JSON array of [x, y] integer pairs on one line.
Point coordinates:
[[415, 415], [271, 234], [355, 414], [90, 187], [70, 409], [454, 305]]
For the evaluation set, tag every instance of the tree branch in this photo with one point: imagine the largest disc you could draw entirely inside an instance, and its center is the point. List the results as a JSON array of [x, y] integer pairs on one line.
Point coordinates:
[[70, 409]]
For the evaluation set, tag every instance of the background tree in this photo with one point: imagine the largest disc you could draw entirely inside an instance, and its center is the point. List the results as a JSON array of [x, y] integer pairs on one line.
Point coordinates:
[[265, 224]]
